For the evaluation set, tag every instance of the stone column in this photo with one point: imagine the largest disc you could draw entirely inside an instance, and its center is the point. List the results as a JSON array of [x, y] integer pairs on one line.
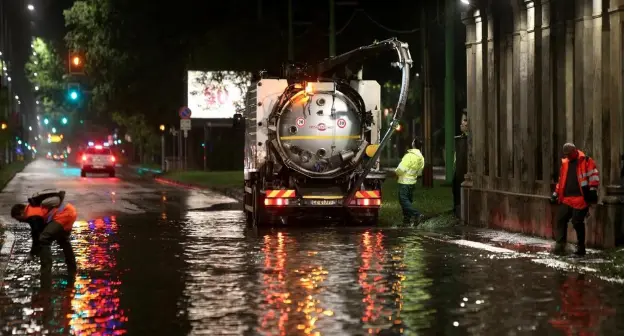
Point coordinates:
[[506, 107], [598, 113], [569, 61], [587, 76], [492, 148], [478, 129], [614, 87], [579, 91], [546, 96], [528, 99], [517, 96], [469, 21], [559, 70]]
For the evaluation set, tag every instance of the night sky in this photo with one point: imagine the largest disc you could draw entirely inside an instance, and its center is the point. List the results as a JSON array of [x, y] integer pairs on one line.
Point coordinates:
[[186, 30]]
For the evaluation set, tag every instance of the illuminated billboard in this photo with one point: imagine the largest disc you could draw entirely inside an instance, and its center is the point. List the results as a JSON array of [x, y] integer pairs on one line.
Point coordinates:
[[216, 94]]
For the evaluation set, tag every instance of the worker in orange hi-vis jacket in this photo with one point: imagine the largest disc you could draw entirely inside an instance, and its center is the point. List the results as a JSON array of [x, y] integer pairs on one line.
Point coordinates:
[[575, 191], [57, 226]]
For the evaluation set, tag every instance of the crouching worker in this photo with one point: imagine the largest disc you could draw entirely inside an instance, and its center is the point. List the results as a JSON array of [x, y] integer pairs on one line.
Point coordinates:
[[50, 221]]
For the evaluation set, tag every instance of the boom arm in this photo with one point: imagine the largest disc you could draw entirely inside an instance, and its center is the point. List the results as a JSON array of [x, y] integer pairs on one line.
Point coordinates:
[[404, 63]]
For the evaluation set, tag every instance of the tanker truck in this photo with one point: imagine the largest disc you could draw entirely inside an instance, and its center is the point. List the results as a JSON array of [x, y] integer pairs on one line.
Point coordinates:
[[312, 140]]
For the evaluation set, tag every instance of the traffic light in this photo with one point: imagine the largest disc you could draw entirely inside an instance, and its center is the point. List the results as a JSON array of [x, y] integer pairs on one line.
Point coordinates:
[[64, 120], [76, 63], [74, 91]]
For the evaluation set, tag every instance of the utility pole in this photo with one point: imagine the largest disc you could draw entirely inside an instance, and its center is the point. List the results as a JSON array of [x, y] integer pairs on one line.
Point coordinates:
[[331, 28], [449, 88], [427, 104], [290, 30]]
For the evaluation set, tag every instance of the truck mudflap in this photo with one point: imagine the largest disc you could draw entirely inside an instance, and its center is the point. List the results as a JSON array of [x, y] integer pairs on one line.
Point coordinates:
[[279, 199]]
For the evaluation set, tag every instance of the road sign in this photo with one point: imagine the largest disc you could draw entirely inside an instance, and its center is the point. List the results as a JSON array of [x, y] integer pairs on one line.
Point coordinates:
[[185, 112], [185, 124]]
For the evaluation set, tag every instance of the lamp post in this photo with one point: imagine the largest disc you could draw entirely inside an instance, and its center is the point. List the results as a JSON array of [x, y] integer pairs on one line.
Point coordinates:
[[162, 128]]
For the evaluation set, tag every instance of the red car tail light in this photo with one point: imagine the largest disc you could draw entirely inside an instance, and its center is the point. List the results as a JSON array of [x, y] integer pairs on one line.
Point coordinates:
[[113, 158], [84, 158]]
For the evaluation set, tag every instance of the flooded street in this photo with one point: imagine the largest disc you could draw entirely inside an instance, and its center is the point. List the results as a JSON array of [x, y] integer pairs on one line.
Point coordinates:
[[155, 260]]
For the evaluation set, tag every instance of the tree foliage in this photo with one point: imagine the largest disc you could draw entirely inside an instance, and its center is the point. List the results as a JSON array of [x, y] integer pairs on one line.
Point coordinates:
[[144, 139], [45, 71], [90, 31]]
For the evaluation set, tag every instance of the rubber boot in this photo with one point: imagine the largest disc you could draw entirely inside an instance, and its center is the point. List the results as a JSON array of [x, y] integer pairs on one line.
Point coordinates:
[[45, 258], [559, 249]]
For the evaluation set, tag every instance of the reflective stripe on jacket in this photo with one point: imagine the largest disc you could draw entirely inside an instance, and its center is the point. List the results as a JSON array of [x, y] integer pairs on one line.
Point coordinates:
[[410, 167], [65, 215], [587, 173]]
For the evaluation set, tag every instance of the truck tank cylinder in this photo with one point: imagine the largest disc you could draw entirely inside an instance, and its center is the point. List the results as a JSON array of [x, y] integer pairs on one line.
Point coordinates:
[[318, 129]]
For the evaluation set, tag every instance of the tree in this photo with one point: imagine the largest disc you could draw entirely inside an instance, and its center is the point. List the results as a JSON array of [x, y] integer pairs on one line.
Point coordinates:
[[136, 126], [90, 31], [45, 71]]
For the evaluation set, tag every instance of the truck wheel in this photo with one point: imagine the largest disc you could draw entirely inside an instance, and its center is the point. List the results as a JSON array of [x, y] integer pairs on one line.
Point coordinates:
[[258, 217], [249, 215]]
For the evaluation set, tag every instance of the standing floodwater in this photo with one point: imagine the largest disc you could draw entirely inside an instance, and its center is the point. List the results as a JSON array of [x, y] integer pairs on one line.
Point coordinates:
[[165, 261], [208, 274]]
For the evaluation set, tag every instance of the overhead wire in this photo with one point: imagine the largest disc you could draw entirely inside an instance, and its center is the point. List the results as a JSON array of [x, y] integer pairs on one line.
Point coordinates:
[[396, 31]]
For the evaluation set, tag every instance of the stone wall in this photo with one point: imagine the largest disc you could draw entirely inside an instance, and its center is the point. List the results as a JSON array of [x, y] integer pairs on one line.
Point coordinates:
[[542, 73]]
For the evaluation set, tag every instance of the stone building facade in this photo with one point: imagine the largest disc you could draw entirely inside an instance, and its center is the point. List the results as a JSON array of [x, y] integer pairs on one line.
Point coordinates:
[[539, 74]]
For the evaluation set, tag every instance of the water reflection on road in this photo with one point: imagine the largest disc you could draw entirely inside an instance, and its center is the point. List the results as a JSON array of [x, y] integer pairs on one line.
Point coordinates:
[[208, 274], [331, 281]]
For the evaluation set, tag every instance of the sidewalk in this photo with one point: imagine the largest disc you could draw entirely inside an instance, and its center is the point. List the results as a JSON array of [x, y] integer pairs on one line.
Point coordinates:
[[607, 265]]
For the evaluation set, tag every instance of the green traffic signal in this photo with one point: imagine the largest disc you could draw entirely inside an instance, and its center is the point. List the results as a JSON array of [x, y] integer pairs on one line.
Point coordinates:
[[74, 95], [64, 120]]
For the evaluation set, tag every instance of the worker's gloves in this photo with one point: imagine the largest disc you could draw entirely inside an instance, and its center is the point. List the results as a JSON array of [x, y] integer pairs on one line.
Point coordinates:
[[591, 196], [554, 198]]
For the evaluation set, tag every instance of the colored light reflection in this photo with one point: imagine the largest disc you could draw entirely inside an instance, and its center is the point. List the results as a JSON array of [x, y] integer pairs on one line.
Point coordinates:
[[291, 302], [96, 302], [372, 281], [277, 298], [581, 311]]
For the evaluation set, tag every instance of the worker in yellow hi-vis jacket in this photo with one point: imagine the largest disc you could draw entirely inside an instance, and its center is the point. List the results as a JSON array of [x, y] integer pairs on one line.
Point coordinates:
[[408, 170]]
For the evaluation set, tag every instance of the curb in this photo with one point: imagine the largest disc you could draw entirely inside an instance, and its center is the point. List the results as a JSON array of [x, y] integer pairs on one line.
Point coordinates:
[[5, 183], [6, 252], [224, 191]]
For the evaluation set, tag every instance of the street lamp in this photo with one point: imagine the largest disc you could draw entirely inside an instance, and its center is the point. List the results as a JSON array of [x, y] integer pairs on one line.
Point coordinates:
[[36, 88], [162, 128], [466, 2], [30, 7], [30, 128]]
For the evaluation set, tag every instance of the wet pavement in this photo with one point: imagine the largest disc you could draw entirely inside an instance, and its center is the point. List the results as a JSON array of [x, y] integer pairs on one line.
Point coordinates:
[[157, 260]]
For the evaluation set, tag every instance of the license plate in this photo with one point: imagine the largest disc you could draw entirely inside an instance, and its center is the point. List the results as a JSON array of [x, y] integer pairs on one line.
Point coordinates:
[[324, 202], [98, 167]]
